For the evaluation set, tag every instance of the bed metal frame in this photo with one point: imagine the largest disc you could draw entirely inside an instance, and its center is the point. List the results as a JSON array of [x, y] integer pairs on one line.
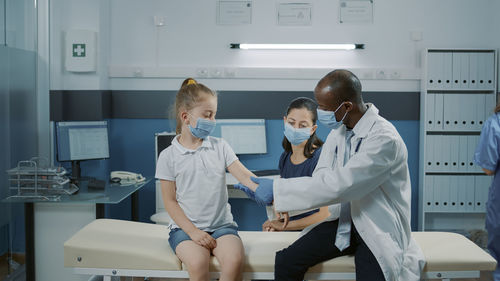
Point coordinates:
[[108, 273]]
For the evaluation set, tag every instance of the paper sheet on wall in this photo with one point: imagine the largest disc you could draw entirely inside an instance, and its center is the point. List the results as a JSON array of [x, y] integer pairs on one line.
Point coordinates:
[[294, 14], [234, 12], [356, 11]]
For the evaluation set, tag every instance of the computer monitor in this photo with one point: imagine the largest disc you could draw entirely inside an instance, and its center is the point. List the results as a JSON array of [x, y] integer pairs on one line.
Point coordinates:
[[245, 136], [81, 140]]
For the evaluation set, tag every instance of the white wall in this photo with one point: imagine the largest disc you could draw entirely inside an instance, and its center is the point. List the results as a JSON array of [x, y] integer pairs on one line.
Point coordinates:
[[191, 40]]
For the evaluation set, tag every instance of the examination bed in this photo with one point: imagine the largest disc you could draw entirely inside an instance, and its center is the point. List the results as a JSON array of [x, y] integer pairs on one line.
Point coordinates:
[[107, 247]]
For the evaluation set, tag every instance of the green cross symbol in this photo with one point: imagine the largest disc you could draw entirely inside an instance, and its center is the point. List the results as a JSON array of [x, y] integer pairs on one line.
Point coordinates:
[[78, 50]]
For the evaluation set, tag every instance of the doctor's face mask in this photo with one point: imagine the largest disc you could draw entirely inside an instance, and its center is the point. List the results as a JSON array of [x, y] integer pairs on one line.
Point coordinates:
[[328, 118]]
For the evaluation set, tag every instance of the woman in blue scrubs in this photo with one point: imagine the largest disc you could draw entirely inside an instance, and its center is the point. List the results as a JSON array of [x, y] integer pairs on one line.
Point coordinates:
[[487, 156]]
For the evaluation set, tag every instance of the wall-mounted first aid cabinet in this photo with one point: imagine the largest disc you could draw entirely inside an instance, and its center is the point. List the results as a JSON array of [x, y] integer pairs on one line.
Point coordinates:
[[80, 51]]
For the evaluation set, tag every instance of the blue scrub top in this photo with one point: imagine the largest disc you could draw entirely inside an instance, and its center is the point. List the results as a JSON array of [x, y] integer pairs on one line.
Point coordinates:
[[304, 169], [487, 156], [487, 151]]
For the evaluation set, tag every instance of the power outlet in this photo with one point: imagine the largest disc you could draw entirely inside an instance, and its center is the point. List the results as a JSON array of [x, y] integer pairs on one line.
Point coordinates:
[[230, 72], [202, 72], [216, 72], [381, 74], [395, 74]]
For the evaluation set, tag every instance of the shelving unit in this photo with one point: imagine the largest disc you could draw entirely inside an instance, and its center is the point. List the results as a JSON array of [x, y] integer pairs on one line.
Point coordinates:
[[458, 93]]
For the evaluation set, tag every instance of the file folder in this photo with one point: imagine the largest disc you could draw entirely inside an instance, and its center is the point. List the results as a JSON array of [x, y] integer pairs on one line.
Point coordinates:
[[469, 111], [428, 193], [462, 155], [480, 114], [429, 153], [478, 196], [429, 111], [445, 194], [470, 193], [473, 70], [439, 153], [464, 70], [433, 64], [490, 71], [438, 112], [481, 70], [453, 207], [449, 112], [462, 194], [447, 70], [446, 153], [436, 197], [456, 72], [463, 104], [454, 151], [471, 148]]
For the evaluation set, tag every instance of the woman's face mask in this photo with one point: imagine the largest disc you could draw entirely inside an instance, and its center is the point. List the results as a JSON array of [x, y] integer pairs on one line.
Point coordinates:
[[297, 135]]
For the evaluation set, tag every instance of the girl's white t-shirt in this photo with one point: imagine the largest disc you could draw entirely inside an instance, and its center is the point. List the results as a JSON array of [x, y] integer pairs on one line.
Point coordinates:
[[200, 179]]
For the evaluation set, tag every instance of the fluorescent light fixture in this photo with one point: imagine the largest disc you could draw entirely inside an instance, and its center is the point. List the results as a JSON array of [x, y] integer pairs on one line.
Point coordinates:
[[297, 46]]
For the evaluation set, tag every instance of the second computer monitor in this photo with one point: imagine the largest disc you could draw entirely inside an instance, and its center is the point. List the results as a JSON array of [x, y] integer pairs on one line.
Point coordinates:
[[245, 136]]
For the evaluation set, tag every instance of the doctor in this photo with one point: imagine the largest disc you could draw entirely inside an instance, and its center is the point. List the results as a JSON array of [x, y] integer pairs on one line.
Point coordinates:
[[368, 175]]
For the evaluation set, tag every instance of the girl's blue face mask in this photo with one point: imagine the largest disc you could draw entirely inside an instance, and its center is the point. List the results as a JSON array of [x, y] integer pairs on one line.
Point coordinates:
[[296, 136], [328, 118], [203, 129]]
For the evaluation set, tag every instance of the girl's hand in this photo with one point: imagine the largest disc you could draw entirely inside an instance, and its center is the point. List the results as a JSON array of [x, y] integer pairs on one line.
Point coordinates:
[[276, 225], [203, 239], [266, 226]]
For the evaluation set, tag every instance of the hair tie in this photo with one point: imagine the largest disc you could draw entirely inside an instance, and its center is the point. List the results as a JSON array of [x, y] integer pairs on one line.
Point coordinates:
[[191, 82]]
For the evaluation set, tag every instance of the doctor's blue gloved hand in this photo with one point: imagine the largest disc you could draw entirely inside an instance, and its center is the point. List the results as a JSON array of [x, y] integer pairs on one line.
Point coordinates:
[[264, 192], [245, 189]]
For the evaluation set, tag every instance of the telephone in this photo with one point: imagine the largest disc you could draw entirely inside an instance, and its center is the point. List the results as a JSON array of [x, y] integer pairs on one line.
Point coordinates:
[[124, 177]]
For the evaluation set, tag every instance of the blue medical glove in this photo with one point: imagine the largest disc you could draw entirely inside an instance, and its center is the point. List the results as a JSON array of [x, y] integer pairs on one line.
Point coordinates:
[[264, 192], [245, 189]]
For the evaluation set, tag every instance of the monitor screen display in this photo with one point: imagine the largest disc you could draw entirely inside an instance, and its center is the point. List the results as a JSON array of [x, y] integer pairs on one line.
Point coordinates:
[[245, 136], [82, 140]]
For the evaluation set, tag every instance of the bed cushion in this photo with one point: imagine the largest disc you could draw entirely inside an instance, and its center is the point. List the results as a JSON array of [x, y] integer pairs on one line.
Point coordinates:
[[107, 243], [117, 244]]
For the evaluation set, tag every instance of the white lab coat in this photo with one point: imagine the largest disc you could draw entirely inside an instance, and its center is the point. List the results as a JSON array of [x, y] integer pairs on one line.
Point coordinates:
[[376, 181]]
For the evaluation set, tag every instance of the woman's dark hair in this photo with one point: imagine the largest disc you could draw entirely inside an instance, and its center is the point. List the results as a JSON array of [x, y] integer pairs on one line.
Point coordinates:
[[497, 108], [313, 142]]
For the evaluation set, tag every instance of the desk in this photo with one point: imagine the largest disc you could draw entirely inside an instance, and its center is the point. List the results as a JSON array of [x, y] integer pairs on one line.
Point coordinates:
[[49, 224]]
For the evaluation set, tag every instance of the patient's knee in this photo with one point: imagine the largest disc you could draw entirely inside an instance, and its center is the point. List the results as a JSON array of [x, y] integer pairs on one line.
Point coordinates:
[[197, 263], [235, 262]]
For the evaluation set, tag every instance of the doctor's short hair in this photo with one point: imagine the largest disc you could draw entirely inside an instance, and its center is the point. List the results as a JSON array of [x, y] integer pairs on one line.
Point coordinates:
[[188, 96], [313, 142], [345, 85]]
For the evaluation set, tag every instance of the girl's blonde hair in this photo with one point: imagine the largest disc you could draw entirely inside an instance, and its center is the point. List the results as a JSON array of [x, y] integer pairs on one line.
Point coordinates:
[[187, 97]]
